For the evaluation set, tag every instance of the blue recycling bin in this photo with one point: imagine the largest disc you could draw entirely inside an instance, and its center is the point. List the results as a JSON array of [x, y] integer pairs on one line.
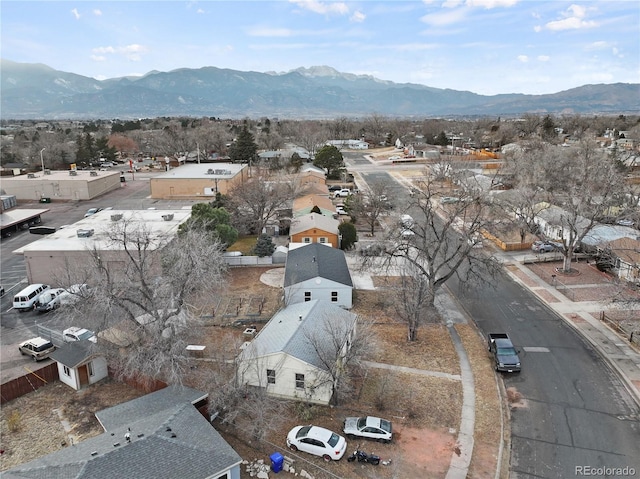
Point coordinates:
[[277, 461]]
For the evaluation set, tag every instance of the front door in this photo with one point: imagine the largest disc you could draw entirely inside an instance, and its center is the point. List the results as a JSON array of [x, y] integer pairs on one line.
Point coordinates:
[[83, 375]]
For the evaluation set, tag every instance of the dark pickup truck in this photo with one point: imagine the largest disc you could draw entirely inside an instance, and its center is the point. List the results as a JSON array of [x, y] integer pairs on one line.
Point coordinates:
[[504, 353]]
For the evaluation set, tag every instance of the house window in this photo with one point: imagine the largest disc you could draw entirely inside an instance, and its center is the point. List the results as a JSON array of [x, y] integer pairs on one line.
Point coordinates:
[[66, 371], [224, 476], [306, 240], [334, 296], [90, 368], [307, 295], [271, 376], [322, 240], [299, 381]]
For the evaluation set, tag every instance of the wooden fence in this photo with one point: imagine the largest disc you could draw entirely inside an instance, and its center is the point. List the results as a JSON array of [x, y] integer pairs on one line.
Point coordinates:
[[30, 382]]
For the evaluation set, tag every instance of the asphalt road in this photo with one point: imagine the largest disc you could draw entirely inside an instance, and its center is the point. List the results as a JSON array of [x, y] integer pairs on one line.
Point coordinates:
[[576, 412], [576, 416]]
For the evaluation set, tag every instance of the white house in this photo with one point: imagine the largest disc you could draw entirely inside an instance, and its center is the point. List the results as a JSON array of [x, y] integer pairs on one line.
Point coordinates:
[[79, 365], [315, 271], [557, 224], [292, 355]]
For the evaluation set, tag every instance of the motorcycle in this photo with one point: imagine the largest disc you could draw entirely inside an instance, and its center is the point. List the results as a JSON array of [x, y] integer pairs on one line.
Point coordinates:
[[362, 456]]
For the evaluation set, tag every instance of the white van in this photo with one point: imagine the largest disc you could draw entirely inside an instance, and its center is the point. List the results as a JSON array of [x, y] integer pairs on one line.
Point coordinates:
[[26, 299]]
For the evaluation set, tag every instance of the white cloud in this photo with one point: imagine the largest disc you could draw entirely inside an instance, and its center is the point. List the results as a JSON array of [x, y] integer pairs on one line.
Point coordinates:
[[130, 52], [200, 11], [323, 8], [523, 58], [444, 18], [97, 12], [489, 4], [544, 58], [358, 17], [98, 58], [75, 13], [574, 20]]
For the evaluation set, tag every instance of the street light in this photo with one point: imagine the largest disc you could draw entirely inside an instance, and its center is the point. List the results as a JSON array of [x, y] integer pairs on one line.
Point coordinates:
[[42, 160]]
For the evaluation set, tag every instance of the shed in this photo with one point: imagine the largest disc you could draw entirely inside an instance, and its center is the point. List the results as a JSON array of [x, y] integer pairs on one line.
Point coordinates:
[[79, 364]]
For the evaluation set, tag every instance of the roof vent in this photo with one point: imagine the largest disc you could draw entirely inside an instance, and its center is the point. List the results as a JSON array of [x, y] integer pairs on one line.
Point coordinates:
[[73, 173], [168, 217], [94, 453], [300, 318], [30, 175], [116, 444], [85, 233], [210, 171], [173, 434], [116, 217], [93, 173], [141, 434]]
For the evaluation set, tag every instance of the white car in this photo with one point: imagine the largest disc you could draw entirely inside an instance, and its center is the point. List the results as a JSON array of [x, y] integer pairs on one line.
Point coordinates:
[[37, 348], [317, 441], [91, 212], [343, 193], [369, 427], [74, 293], [340, 210], [49, 300], [406, 221], [78, 334]]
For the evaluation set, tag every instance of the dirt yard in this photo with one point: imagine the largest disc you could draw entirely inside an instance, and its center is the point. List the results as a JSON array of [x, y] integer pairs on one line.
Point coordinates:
[[425, 415]]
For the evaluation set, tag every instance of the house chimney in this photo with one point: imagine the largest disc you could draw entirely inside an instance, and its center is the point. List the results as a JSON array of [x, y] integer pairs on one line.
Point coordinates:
[[300, 318]]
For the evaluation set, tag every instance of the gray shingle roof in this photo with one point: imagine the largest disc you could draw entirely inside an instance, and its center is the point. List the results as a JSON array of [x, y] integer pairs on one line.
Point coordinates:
[[290, 329], [316, 260], [175, 441], [75, 353]]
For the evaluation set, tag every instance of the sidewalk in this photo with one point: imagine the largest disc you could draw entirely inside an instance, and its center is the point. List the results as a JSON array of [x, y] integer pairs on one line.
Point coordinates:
[[618, 353]]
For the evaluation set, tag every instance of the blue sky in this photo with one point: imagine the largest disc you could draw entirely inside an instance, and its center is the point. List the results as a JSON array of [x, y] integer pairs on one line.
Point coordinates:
[[483, 46]]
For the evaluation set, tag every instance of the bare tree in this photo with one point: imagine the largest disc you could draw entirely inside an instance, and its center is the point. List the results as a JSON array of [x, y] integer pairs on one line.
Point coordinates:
[[258, 201], [580, 184], [142, 289], [371, 204], [441, 243], [340, 347]]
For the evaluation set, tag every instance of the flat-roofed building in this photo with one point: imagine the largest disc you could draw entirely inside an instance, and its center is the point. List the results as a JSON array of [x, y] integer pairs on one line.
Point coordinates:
[[50, 257], [61, 185], [198, 181]]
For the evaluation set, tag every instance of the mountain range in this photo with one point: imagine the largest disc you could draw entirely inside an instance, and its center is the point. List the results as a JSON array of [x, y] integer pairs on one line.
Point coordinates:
[[36, 91]]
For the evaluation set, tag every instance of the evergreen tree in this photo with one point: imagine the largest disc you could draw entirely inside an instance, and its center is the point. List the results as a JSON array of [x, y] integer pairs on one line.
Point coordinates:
[[349, 235], [264, 246], [329, 157], [215, 220], [244, 149]]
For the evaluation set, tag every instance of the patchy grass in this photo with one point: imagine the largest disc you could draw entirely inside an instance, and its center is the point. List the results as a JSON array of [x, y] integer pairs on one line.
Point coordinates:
[[244, 244]]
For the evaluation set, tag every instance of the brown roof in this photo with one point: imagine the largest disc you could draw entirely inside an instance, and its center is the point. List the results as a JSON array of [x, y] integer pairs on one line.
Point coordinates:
[[309, 201], [627, 249]]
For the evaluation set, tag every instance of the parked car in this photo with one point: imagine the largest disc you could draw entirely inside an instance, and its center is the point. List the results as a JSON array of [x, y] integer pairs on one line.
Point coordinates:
[[78, 334], [542, 247], [504, 353], [92, 211], [340, 210], [449, 199], [342, 193], [49, 300], [317, 441], [406, 221], [37, 348], [373, 249], [334, 188], [74, 293], [369, 427]]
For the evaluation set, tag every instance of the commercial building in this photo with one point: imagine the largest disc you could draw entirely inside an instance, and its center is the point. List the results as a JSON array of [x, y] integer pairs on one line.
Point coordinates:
[[48, 258], [61, 185], [198, 181]]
